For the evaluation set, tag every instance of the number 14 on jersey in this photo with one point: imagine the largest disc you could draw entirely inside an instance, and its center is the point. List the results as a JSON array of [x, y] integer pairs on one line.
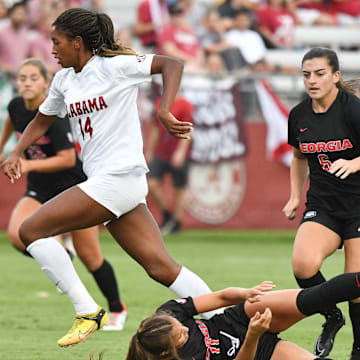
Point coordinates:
[[86, 129]]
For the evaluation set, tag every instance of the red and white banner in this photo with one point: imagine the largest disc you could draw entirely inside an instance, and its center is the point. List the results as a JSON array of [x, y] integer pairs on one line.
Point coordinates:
[[276, 116]]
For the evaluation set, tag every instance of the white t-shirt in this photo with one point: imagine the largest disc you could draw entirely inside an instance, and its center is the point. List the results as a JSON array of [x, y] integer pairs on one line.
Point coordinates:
[[100, 102], [249, 42]]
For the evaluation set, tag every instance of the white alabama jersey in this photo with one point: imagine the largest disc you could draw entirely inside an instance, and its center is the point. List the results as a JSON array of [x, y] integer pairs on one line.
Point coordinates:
[[101, 103]]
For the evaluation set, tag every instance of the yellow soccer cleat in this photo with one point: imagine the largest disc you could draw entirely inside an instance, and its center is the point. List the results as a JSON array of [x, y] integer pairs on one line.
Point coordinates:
[[83, 327]]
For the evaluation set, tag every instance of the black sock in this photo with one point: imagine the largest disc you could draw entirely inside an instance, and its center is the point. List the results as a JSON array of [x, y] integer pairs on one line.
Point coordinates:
[[312, 281], [106, 281], [354, 311], [317, 279], [326, 295]]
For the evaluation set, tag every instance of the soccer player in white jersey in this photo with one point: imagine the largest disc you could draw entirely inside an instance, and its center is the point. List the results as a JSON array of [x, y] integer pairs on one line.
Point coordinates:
[[98, 89]]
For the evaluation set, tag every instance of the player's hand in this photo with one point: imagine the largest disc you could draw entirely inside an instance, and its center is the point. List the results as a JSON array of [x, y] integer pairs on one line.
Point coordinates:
[[254, 294], [290, 208], [343, 168], [179, 129], [12, 167], [260, 323]]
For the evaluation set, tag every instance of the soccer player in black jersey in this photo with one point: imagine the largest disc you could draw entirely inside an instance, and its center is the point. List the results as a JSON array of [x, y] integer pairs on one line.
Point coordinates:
[[247, 331], [52, 166], [324, 131]]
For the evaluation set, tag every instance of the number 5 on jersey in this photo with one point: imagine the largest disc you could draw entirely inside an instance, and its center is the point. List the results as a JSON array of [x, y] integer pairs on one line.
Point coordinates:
[[87, 129], [324, 162]]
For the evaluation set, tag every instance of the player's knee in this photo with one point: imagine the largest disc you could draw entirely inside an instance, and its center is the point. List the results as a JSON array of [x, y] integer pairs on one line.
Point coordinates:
[[162, 272], [16, 242], [25, 233], [306, 266]]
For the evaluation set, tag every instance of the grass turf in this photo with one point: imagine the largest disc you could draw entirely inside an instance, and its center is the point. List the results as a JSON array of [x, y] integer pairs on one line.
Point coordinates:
[[33, 315]]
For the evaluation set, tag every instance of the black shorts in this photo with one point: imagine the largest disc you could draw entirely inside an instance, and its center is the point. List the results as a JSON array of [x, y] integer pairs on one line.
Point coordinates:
[[267, 341], [159, 167], [41, 195], [346, 228]]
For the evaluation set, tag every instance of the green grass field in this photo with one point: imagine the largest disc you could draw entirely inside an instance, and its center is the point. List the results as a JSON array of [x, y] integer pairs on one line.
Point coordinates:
[[31, 322]]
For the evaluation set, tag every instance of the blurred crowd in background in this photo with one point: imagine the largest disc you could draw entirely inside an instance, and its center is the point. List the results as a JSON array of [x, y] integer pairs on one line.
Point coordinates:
[[207, 35]]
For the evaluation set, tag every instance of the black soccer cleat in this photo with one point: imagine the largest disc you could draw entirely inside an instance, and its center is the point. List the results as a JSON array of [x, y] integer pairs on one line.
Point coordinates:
[[335, 320], [355, 354]]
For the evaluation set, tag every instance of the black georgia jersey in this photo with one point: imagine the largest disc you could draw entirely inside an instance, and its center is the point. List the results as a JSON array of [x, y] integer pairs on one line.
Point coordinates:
[[57, 138], [218, 338], [323, 138]]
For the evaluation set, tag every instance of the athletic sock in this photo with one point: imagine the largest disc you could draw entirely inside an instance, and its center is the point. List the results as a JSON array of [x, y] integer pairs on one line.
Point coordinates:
[[106, 281], [321, 297], [317, 279], [354, 311], [189, 284], [56, 264]]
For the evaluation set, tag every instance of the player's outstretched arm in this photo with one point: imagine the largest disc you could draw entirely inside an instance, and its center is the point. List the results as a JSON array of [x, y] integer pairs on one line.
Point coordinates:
[[36, 128], [231, 296], [171, 70]]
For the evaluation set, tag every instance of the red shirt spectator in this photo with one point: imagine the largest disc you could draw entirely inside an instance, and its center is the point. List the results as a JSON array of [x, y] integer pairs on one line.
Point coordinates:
[[184, 39], [277, 23], [349, 7], [151, 16], [14, 41]]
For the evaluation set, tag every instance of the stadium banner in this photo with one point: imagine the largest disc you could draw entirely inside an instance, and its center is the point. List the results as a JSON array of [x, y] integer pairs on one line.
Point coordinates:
[[217, 177]]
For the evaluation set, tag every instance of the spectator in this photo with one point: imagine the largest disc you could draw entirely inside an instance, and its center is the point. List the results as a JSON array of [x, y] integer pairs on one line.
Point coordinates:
[[152, 16], [277, 21], [249, 42], [347, 11], [195, 12], [15, 45], [229, 9], [313, 12], [251, 45], [35, 10], [213, 41], [179, 40], [169, 155], [215, 64], [42, 45]]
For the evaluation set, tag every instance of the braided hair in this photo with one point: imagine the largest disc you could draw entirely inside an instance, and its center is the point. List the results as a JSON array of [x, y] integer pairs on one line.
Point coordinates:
[[153, 340], [96, 30]]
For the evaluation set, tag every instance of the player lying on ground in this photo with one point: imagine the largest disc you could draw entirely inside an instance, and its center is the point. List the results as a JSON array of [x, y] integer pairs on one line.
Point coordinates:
[[247, 331]]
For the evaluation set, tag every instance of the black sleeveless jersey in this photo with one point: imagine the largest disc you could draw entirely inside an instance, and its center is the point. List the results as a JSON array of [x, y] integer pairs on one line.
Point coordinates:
[[323, 138], [219, 338], [57, 138]]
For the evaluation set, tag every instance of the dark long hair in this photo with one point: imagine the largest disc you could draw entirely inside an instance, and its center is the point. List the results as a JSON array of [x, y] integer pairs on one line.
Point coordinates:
[[153, 340], [96, 30], [333, 61]]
